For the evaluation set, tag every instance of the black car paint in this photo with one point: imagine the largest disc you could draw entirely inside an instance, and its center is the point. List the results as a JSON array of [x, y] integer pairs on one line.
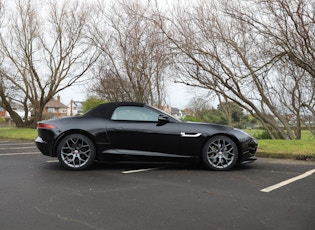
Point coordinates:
[[140, 138]]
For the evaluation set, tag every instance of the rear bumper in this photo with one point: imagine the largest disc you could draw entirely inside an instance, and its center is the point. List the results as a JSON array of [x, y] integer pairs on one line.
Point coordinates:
[[44, 147]]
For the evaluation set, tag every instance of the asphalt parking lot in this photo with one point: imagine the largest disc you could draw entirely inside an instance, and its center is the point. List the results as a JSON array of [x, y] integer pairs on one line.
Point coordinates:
[[36, 193]]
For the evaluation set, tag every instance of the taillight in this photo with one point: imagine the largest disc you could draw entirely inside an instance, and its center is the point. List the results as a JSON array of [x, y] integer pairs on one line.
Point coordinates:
[[45, 126]]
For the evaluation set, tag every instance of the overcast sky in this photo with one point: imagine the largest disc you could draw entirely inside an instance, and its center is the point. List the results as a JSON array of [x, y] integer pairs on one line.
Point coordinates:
[[178, 95]]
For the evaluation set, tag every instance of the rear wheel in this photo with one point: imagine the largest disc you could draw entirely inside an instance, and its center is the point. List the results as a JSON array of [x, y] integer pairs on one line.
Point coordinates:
[[76, 152], [220, 153]]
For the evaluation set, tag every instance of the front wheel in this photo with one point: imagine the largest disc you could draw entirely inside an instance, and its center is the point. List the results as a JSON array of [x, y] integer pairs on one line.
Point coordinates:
[[76, 152], [220, 153]]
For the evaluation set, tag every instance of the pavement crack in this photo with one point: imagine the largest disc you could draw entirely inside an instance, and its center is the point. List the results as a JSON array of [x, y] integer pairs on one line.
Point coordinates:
[[69, 219]]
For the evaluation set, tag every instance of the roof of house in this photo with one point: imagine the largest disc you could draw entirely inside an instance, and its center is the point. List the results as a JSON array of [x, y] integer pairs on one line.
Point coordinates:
[[54, 103], [77, 103]]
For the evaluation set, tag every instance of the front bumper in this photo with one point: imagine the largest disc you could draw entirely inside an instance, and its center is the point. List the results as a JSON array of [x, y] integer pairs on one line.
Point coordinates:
[[249, 148], [249, 159]]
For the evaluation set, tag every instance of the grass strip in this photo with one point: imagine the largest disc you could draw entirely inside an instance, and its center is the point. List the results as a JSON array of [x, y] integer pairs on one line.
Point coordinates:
[[289, 149], [18, 133]]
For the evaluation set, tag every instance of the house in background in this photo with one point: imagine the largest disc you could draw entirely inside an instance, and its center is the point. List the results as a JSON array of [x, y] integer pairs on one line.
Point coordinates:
[[55, 109], [178, 113], [75, 108], [5, 118], [18, 108], [2, 112]]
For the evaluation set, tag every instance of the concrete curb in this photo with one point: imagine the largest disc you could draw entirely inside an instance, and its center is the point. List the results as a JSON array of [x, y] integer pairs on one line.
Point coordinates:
[[305, 157]]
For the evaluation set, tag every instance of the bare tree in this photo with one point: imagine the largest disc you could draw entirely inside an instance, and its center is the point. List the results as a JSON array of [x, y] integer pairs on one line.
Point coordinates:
[[198, 106], [134, 55], [226, 47], [292, 29], [288, 30], [44, 51], [220, 54]]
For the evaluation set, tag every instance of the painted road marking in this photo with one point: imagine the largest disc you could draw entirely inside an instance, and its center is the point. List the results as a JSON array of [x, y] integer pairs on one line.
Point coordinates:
[[16, 144], [124, 172], [289, 181], [139, 170], [32, 147], [52, 161], [15, 154]]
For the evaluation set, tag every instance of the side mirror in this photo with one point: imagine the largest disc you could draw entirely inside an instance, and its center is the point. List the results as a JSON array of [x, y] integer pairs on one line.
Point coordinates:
[[162, 120]]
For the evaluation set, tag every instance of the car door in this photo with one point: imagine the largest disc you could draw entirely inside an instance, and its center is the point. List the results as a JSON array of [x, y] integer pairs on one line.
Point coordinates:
[[136, 129]]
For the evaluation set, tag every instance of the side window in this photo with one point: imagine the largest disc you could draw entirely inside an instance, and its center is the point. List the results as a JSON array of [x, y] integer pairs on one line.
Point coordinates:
[[134, 113]]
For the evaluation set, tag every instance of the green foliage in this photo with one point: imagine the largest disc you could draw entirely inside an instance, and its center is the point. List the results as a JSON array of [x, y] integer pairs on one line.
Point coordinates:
[[2, 119], [247, 122], [262, 135], [192, 118], [210, 116], [231, 109], [215, 116], [91, 102]]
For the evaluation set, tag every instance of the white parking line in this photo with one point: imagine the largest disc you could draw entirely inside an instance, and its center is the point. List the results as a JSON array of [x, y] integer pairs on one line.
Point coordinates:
[[52, 161], [16, 154], [286, 182], [31, 147], [139, 170], [16, 144]]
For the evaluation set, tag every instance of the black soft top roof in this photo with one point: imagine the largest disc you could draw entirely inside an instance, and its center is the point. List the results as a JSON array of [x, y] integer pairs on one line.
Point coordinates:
[[106, 110]]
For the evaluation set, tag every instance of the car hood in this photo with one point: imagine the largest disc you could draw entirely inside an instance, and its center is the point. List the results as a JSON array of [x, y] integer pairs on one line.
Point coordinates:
[[201, 126], [211, 129]]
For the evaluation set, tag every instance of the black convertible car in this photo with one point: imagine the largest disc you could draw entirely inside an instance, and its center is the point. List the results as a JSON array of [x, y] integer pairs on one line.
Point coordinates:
[[135, 131]]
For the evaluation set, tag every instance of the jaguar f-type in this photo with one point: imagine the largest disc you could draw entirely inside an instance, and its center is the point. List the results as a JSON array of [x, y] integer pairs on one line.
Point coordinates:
[[131, 131]]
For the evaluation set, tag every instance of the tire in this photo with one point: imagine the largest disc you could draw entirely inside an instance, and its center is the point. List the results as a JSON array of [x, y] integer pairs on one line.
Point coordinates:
[[76, 152], [220, 153]]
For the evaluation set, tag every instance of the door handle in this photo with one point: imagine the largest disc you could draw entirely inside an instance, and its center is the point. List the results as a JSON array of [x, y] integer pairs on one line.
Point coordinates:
[[182, 134]]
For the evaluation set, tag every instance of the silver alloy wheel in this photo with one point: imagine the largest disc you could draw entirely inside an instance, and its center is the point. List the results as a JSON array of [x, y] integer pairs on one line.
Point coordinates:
[[220, 153], [76, 152]]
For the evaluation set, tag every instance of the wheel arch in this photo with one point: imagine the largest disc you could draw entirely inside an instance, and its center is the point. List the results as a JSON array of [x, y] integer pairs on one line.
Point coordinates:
[[235, 139], [69, 132]]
